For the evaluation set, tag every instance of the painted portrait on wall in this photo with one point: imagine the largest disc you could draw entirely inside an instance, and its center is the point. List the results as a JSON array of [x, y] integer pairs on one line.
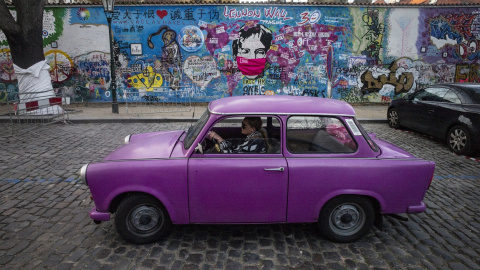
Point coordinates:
[[250, 49]]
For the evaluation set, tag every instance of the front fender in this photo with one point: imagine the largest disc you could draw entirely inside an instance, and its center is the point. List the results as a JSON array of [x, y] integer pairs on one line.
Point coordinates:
[[165, 179]]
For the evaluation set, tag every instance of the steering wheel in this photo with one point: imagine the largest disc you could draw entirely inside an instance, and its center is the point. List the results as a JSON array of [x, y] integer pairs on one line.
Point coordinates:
[[215, 148]]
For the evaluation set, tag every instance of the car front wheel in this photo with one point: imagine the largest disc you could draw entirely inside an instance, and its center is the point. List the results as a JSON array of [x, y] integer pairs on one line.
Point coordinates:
[[346, 218], [393, 118], [459, 140], [141, 219]]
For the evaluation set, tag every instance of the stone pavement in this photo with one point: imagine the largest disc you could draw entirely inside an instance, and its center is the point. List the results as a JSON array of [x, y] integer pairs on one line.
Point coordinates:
[[44, 221]]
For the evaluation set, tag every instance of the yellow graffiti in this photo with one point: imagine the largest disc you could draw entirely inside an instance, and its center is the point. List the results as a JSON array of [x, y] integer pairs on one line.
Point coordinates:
[[61, 65], [5, 53], [147, 80], [269, 93]]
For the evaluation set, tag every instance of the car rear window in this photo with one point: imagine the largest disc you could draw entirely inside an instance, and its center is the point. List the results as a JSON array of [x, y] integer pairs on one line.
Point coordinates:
[[318, 135], [370, 141], [474, 93]]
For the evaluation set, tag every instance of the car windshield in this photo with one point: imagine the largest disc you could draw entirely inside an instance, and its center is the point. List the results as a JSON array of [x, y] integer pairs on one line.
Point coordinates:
[[195, 129]]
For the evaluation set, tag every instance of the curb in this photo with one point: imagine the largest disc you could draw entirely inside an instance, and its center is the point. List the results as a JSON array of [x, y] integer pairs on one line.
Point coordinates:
[[166, 120]]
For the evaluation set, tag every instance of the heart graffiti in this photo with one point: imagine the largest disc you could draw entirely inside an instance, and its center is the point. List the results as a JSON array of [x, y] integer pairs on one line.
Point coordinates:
[[162, 13], [201, 70]]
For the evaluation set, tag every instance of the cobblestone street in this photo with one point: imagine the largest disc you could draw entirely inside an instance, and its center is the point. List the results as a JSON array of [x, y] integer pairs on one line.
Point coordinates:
[[44, 221]]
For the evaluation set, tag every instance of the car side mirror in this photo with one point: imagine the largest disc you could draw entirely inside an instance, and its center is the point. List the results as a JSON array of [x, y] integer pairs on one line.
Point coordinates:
[[199, 148]]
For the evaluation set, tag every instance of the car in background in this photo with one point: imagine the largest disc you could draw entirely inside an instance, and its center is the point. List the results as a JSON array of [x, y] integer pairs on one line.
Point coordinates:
[[450, 112], [319, 166]]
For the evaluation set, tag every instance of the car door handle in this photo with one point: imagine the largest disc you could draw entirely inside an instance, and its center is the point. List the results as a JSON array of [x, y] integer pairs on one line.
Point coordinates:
[[279, 169]]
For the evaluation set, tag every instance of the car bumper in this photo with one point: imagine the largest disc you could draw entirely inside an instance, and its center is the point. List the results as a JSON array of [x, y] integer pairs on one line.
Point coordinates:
[[417, 208], [98, 216]]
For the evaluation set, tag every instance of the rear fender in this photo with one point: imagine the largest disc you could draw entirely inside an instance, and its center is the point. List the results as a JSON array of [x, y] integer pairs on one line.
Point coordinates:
[[377, 200]]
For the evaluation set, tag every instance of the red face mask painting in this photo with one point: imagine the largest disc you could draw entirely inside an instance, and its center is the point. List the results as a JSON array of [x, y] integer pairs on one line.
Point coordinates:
[[251, 67]]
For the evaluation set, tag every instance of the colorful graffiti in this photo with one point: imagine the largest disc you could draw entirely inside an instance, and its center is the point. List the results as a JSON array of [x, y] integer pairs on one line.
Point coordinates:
[[356, 54]]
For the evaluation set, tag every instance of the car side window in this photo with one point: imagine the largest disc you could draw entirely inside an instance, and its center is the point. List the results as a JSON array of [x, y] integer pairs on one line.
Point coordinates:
[[431, 94], [452, 97], [318, 135], [236, 142]]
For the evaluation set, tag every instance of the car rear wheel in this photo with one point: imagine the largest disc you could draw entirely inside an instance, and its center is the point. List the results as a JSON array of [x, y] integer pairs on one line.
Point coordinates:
[[393, 118], [459, 140], [141, 219], [346, 218]]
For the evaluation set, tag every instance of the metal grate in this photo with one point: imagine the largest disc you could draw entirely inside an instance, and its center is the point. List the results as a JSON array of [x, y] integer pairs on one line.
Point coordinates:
[[31, 111], [160, 100]]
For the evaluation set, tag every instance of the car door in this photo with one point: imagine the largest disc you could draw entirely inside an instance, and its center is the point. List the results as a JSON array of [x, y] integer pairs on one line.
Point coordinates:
[[445, 113], [420, 108], [319, 151], [237, 187]]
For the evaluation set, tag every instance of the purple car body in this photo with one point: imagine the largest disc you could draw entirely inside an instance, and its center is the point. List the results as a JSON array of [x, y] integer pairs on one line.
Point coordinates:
[[165, 177]]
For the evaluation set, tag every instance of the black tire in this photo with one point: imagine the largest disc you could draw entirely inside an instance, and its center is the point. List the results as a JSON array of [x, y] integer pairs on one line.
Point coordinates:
[[142, 219], [346, 218], [393, 119], [459, 140]]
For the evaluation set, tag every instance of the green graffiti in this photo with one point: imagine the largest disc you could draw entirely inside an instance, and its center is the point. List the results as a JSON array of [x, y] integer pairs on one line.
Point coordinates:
[[58, 15]]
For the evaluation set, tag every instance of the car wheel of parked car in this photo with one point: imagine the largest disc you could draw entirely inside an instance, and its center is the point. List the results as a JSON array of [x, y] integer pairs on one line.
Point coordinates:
[[141, 219], [346, 218], [459, 141], [393, 118]]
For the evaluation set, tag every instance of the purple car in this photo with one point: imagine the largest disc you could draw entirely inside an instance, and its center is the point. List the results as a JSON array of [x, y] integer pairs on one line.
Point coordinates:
[[310, 161]]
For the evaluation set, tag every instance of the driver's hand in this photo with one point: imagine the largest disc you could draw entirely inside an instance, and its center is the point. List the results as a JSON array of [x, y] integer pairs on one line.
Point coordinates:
[[214, 136], [211, 135]]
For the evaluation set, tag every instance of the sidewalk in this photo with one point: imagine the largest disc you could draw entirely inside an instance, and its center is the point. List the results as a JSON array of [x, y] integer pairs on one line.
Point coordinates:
[[102, 113]]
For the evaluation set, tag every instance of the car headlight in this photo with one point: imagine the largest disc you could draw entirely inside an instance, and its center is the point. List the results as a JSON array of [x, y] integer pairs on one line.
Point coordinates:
[[127, 139], [83, 174]]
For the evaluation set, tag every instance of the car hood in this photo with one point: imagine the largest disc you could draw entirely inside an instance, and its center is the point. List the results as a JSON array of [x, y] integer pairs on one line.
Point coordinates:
[[147, 145], [389, 150]]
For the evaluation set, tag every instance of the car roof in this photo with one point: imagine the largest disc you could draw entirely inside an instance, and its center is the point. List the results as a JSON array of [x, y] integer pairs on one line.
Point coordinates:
[[280, 104]]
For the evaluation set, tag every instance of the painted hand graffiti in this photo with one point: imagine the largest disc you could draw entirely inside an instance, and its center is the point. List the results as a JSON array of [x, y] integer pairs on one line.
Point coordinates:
[[171, 59]]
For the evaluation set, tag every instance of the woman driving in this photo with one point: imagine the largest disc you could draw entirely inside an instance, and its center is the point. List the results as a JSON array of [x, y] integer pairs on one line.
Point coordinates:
[[255, 142]]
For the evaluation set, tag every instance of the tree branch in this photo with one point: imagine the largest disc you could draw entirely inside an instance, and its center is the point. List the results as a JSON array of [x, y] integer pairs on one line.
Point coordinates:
[[7, 22]]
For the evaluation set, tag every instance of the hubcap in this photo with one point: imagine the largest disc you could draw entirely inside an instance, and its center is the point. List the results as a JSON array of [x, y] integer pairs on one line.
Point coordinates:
[[458, 139], [393, 118], [145, 218], [347, 219]]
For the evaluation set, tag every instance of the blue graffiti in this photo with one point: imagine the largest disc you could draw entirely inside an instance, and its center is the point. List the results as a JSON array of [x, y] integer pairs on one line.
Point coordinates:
[[441, 29]]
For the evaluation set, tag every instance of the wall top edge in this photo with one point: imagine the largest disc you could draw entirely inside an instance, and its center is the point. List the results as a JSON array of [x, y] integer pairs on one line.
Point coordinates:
[[233, 3], [285, 5]]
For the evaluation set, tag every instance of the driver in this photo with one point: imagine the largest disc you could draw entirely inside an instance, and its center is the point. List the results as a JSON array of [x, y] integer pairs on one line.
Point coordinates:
[[255, 142]]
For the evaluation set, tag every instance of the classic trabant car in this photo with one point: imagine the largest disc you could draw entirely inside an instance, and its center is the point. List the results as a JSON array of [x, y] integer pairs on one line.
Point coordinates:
[[313, 163]]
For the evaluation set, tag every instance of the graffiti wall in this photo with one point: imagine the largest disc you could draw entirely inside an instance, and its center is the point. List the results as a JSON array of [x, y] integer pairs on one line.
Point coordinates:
[[356, 54]]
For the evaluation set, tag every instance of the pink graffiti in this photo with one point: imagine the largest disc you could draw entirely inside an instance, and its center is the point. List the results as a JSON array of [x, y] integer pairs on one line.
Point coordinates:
[[462, 23]]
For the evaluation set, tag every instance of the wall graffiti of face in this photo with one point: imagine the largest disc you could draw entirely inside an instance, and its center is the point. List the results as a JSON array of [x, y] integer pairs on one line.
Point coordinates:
[[250, 50]]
